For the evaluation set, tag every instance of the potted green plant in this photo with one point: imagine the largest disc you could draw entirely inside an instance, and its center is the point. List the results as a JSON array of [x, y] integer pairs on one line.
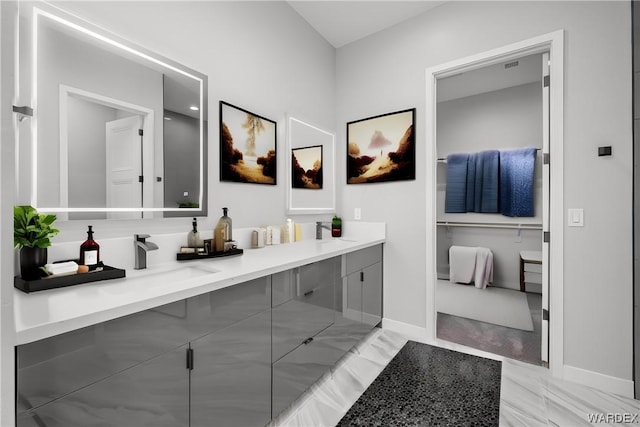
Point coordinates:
[[336, 226], [32, 233]]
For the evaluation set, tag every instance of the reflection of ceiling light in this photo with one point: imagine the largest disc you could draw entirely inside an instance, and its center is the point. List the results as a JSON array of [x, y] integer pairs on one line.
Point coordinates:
[[167, 118], [194, 108]]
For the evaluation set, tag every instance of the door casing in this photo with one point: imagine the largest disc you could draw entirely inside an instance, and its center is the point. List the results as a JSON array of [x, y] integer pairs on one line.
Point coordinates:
[[553, 43]]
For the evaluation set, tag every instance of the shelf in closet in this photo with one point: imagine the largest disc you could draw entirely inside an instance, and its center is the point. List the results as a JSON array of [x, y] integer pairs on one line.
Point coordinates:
[[510, 225]]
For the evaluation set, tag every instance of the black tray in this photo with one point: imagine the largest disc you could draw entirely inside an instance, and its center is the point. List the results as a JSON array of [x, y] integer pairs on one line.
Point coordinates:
[[188, 257], [70, 280]]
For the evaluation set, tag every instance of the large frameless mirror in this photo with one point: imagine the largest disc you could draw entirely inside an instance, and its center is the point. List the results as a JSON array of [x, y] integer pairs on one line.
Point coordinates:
[[117, 131]]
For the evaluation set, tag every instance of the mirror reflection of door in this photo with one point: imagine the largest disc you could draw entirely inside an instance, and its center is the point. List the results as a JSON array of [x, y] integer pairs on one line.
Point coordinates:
[[102, 155], [124, 166]]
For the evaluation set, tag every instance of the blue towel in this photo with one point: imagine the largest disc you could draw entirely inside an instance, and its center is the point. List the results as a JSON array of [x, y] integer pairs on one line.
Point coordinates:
[[517, 169], [471, 182], [487, 191], [456, 193]]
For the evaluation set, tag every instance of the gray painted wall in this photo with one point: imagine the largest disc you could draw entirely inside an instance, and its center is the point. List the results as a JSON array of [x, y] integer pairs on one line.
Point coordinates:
[[386, 72], [181, 146]]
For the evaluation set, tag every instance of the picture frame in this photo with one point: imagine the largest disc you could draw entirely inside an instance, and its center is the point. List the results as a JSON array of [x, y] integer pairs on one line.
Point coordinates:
[[248, 146], [306, 167], [393, 135]]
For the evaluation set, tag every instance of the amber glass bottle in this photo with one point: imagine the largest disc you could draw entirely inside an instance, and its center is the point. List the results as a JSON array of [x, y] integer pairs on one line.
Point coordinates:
[[90, 251]]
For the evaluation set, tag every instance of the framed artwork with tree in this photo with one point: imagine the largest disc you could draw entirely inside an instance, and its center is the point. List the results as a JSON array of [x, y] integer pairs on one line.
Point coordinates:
[[247, 146]]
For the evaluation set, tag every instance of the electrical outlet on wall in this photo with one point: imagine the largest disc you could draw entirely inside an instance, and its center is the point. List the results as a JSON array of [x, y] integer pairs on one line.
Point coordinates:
[[357, 214]]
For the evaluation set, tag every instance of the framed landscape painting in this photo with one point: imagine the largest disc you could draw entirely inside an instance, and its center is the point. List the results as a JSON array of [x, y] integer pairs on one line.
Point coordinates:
[[247, 146], [382, 148], [306, 167]]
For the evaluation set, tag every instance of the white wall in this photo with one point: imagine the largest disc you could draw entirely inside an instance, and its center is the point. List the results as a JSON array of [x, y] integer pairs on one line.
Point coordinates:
[[7, 182], [87, 152], [386, 72]]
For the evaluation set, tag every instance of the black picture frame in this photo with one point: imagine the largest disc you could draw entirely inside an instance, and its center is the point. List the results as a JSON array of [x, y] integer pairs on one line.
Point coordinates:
[[256, 162], [395, 130], [312, 177]]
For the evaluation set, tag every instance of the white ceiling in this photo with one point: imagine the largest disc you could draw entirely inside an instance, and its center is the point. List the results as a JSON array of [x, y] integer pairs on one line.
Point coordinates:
[[342, 22]]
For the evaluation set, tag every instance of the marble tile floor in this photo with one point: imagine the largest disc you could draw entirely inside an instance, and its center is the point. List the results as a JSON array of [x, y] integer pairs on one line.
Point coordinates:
[[529, 396]]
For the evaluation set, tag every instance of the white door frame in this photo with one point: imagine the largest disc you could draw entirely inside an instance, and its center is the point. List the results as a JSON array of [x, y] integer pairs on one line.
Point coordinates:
[[554, 44], [149, 146]]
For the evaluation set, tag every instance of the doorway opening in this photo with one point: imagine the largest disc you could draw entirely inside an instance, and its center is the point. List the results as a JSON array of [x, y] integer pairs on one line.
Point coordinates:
[[466, 102]]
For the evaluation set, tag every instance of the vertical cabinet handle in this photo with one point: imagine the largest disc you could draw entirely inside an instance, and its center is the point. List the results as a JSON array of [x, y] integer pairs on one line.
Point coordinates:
[[362, 276], [190, 359]]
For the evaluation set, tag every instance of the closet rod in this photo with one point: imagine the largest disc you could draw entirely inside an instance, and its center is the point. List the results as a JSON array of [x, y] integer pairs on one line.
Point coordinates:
[[444, 159], [491, 225]]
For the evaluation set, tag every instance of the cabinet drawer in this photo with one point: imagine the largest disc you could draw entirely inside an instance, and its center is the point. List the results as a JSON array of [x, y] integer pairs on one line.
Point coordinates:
[[363, 258], [298, 370], [295, 321], [219, 309], [317, 275]]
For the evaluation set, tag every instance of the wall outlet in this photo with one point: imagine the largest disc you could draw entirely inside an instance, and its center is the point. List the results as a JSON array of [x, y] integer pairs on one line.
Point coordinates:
[[357, 214], [575, 217]]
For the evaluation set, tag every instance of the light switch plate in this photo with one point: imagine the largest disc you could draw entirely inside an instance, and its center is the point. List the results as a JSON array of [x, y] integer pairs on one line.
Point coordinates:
[[357, 214], [575, 217]]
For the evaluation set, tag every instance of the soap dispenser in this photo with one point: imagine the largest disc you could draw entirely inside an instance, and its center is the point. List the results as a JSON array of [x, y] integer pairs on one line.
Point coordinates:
[[193, 238], [90, 251], [223, 231]]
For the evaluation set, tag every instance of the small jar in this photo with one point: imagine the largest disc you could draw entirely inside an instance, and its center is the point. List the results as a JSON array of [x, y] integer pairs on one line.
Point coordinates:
[[336, 226]]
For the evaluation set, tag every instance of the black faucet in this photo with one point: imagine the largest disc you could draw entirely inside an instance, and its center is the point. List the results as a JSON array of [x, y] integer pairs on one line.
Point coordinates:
[[141, 247], [319, 226]]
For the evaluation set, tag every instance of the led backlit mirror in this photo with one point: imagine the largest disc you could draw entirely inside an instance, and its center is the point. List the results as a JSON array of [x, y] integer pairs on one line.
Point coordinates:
[[311, 183], [118, 132]]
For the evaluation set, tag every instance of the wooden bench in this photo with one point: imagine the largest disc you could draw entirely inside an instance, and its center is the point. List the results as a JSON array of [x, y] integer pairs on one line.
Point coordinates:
[[528, 257]]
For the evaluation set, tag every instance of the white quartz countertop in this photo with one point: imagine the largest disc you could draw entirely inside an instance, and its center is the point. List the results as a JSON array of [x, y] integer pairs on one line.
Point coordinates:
[[47, 313]]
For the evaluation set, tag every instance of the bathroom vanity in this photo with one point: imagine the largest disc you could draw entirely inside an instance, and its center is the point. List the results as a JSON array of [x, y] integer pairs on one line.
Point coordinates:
[[214, 342]]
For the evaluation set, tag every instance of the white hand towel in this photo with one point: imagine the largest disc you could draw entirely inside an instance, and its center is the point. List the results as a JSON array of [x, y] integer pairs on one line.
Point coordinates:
[[61, 268], [484, 268], [462, 264]]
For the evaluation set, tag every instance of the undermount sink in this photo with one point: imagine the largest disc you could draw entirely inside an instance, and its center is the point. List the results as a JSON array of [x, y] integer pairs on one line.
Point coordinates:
[[177, 273], [334, 240]]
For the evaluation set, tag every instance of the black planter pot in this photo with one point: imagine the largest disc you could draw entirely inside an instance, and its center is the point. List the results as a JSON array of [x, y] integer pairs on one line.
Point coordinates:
[[31, 259]]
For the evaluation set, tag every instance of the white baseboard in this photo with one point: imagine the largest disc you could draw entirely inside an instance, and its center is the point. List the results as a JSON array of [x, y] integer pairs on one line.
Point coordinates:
[[412, 332], [599, 381]]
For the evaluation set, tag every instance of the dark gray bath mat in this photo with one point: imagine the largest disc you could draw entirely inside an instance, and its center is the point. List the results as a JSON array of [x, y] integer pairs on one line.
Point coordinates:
[[430, 386]]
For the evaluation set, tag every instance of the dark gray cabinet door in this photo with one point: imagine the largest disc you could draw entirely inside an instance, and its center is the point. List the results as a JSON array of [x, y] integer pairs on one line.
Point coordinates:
[[59, 365], [152, 394], [362, 290], [231, 376], [372, 294]]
